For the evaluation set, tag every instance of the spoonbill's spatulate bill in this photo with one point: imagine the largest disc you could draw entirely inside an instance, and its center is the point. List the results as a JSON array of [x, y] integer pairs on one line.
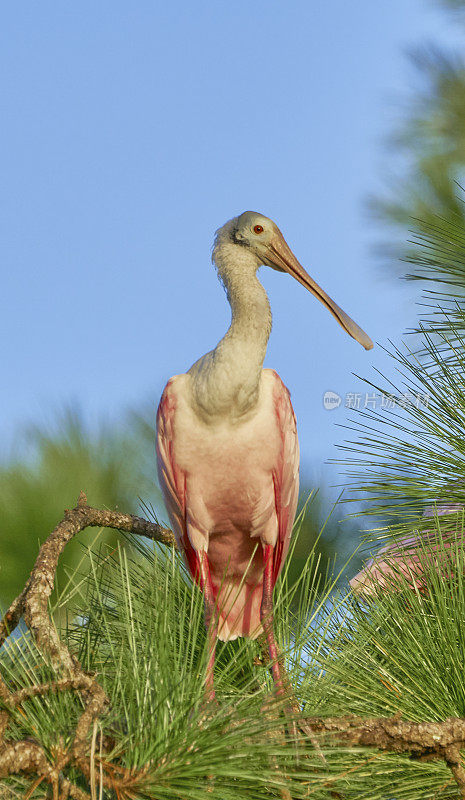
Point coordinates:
[[228, 455]]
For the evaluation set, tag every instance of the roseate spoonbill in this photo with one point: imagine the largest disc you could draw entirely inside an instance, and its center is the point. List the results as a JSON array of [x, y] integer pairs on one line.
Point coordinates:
[[402, 562], [227, 450]]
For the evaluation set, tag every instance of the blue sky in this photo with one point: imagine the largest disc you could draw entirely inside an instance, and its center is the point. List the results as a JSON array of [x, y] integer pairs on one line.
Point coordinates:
[[131, 131]]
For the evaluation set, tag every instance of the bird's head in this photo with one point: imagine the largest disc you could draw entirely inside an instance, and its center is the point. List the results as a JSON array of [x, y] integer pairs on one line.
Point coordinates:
[[255, 231], [263, 240]]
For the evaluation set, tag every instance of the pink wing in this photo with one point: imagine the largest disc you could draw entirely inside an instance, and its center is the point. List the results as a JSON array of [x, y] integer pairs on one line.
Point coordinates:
[[172, 478], [286, 473]]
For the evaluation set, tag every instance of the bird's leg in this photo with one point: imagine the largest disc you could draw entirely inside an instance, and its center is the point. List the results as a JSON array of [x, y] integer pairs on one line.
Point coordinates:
[[266, 618], [281, 679], [285, 689], [211, 621]]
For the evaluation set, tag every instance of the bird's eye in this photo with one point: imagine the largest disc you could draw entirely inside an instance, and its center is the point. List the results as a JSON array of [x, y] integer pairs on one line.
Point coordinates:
[[258, 228]]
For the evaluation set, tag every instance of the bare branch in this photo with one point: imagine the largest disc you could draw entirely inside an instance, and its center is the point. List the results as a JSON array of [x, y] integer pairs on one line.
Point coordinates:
[[41, 581], [26, 758], [63, 685], [432, 740], [393, 733]]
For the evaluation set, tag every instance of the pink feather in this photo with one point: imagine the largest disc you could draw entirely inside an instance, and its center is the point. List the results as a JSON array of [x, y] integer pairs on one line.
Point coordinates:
[[402, 562]]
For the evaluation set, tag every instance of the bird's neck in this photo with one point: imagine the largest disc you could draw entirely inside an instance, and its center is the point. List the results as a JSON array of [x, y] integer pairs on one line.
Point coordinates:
[[226, 381]]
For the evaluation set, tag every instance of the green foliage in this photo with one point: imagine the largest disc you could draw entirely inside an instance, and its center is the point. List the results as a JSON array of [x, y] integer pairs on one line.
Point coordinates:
[[324, 528], [439, 265], [402, 653], [427, 152], [137, 620], [36, 488], [404, 459], [411, 455], [453, 5]]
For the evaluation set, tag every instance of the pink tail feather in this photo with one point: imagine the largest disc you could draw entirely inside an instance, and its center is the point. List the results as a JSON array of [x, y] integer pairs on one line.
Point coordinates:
[[239, 609]]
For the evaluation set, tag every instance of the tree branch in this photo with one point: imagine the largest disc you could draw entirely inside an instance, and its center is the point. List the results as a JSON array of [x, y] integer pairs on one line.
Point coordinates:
[[432, 740]]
